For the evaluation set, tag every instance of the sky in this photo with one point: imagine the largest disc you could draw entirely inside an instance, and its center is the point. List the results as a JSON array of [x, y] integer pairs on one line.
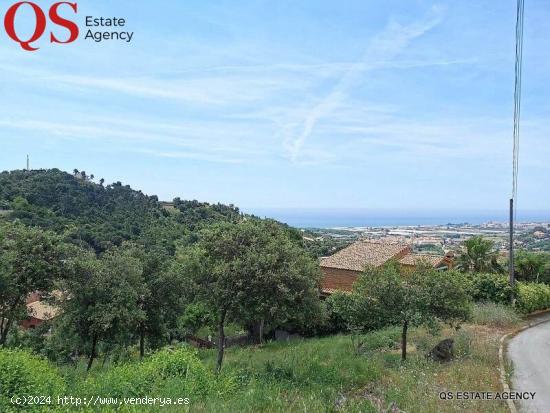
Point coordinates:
[[285, 104]]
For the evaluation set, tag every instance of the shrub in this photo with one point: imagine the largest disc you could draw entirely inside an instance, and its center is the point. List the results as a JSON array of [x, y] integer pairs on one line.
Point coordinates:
[[339, 309], [385, 339], [532, 297], [489, 287], [181, 366], [495, 315], [23, 374], [353, 312]]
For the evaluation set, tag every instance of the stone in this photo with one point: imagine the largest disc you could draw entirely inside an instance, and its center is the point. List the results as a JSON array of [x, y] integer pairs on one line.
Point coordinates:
[[443, 351]]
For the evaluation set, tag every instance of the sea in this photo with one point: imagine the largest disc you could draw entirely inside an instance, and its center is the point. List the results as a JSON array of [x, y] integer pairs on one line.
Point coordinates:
[[346, 218]]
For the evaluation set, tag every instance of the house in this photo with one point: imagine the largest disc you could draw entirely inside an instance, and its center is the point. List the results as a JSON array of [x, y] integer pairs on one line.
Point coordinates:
[[39, 311], [343, 268]]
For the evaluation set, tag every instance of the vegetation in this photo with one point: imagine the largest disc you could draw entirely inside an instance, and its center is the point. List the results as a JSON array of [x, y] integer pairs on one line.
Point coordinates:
[[533, 267], [420, 298], [102, 300], [134, 278], [484, 287], [251, 273], [321, 374], [22, 375], [495, 315], [479, 255], [29, 261], [533, 297]]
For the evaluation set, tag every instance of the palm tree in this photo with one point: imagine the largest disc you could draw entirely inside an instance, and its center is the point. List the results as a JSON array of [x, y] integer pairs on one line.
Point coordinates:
[[101, 181], [479, 255], [75, 172]]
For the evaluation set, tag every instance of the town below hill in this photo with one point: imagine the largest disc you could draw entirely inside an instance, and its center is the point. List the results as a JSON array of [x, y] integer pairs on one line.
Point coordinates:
[[432, 239]]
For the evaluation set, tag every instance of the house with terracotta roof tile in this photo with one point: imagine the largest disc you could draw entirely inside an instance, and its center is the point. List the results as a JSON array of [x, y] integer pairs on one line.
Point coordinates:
[[343, 268]]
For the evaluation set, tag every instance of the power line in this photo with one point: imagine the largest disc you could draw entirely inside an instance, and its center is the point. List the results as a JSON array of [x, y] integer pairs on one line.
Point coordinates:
[[517, 97], [517, 115]]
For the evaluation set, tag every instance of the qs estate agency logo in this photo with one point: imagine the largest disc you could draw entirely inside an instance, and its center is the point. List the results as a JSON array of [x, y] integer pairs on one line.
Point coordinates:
[[27, 23]]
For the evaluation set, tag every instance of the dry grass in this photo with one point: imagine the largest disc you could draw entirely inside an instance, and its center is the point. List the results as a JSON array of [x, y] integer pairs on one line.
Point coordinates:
[[328, 375]]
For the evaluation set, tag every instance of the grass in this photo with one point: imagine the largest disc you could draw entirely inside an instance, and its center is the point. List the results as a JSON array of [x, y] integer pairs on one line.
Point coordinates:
[[329, 375], [495, 315]]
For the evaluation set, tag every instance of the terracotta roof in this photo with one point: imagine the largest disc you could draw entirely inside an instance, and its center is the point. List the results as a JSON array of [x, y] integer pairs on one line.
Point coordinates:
[[42, 311], [362, 253], [413, 259], [330, 291]]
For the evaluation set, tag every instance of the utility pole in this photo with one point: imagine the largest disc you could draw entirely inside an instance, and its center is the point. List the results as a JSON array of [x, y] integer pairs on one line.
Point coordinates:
[[511, 252], [28, 168], [517, 113]]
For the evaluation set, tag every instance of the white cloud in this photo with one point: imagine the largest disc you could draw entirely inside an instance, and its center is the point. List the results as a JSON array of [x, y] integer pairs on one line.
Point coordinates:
[[381, 50]]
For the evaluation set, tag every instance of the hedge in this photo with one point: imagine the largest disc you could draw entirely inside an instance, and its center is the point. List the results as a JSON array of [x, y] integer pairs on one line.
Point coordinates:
[[533, 297], [489, 287]]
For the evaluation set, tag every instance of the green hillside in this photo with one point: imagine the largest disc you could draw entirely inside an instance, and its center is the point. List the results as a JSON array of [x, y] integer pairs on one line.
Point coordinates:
[[96, 214]]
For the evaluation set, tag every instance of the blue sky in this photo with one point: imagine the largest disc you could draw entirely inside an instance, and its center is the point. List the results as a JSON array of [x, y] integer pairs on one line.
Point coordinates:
[[324, 104]]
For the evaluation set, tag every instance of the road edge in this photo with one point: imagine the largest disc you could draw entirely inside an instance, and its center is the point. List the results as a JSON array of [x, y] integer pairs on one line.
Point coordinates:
[[503, 339]]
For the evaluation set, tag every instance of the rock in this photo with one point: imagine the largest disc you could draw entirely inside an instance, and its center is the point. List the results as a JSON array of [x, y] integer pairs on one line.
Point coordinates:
[[443, 351], [340, 402]]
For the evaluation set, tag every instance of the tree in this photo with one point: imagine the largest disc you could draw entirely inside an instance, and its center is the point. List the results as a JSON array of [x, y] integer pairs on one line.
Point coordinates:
[[418, 298], [163, 299], [101, 181], [479, 255], [101, 300], [532, 266], [30, 259], [251, 271]]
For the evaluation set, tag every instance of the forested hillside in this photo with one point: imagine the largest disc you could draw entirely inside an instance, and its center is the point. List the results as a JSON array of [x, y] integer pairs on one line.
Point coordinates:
[[96, 214], [138, 270]]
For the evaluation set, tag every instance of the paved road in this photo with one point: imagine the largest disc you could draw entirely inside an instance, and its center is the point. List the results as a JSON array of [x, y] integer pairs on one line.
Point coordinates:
[[530, 355]]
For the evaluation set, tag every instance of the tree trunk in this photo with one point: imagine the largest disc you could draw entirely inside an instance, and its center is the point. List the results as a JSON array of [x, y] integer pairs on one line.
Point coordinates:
[[221, 341], [2, 320], [404, 341], [261, 332], [4, 332], [92, 353], [141, 340], [8, 321]]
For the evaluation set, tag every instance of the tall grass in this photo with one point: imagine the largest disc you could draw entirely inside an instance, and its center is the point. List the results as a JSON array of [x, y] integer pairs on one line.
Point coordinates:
[[495, 315], [313, 375]]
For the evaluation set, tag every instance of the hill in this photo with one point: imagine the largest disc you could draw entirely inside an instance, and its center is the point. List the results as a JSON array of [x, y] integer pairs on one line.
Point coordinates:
[[97, 214]]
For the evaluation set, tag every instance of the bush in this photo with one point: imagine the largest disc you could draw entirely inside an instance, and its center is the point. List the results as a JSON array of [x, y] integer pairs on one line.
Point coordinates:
[[532, 297], [181, 366], [489, 287], [495, 315], [353, 312], [23, 374], [339, 312], [384, 339]]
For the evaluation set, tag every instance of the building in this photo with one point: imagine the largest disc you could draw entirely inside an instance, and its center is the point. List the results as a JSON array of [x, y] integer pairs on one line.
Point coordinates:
[[38, 311], [342, 269]]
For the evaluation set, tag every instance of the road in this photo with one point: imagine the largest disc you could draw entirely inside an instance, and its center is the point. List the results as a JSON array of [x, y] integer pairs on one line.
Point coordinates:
[[529, 352]]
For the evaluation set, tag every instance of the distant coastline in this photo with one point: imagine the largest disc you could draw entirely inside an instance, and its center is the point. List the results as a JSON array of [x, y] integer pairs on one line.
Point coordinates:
[[335, 218]]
